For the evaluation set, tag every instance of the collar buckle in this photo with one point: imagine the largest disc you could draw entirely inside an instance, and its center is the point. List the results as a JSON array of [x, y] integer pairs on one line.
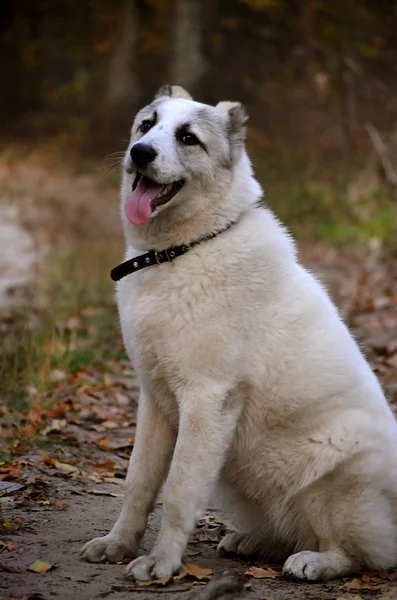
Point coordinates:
[[164, 256]]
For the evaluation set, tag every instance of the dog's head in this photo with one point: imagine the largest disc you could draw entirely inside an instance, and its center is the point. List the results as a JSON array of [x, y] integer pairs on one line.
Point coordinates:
[[180, 149]]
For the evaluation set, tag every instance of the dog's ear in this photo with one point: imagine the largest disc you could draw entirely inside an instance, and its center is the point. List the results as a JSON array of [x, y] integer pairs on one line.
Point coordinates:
[[173, 91], [236, 117]]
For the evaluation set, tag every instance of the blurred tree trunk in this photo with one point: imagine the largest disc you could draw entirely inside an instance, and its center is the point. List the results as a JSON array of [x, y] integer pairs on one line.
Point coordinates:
[[122, 85], [122, 92], [347, 108], [188, 63]]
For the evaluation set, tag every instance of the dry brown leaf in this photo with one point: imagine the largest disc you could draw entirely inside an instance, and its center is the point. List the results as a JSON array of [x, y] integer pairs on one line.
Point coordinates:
[[194, 570], [108, 465], [106, 444], [8, 487], [392, 361], [105, 493], [362, 584], [13, 524], [40, 566], [163, 581], [260, 573], [188, 570], [55, 426], [65, 467], [48, 460], [116, 480], [7, 546]]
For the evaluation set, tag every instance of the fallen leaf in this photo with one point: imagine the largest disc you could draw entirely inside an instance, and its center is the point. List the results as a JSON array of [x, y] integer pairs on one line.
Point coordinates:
[[116, 480], [260, 573], [30, 430], [122, 399], [105, 493], [57, 375], [6, 546], [106, 425], [48, 460], [13, 524], [392, 361], [40, 566], [55, 425], [61, 504], [8, 487], [106, 444], [108, 465], [60, 466], [359, 584], [162, 581], [195, 571]]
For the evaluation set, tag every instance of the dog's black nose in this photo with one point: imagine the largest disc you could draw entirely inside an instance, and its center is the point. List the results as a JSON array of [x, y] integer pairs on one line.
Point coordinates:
[[142, 154]]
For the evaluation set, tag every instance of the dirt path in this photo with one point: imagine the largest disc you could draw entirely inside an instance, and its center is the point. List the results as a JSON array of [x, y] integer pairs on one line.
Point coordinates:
[[67, 488], [66, 504]]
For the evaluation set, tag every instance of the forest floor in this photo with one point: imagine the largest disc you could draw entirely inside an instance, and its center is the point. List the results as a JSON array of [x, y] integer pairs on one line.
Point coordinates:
[[69, 394]]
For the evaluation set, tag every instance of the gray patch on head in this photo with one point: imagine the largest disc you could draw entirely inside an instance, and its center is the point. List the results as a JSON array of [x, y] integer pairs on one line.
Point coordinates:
[[173, 91], [213, 127], [146, 112]]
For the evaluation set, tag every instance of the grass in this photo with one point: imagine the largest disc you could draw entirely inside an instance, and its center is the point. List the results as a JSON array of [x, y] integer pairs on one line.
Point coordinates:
[[71, 326], [337, 212]]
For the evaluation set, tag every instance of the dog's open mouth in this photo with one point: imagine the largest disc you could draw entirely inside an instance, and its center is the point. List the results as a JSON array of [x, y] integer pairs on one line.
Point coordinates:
[[147, 195]]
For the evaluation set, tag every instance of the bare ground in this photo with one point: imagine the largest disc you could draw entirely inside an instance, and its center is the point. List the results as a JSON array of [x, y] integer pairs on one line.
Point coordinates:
[[67, 485]]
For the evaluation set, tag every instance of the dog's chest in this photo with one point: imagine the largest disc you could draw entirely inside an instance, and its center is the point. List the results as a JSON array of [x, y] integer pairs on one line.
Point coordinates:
[[163, 317]]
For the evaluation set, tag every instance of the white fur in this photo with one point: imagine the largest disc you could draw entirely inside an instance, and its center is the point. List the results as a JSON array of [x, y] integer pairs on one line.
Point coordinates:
[[252, 388]]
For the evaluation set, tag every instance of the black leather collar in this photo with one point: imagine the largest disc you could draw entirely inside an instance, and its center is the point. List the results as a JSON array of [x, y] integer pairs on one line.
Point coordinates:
[[154, 257]]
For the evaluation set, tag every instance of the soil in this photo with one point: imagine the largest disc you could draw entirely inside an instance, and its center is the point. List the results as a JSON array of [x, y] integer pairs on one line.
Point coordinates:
[[78, 510]]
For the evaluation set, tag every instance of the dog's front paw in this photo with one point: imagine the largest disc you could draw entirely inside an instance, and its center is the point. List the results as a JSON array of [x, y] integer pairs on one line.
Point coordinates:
[[108, 548], [148, 567]]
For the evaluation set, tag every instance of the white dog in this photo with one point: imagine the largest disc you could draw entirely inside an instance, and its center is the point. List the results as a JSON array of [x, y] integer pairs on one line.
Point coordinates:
[[252, 387]]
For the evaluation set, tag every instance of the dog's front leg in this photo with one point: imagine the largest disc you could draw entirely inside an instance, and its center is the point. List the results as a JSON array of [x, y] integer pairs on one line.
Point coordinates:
[[149, 463], [206, 428]]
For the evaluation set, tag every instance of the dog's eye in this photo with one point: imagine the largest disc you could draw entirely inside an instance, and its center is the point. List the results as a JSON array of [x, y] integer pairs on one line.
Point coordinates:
[[145, 126], [189, 139]]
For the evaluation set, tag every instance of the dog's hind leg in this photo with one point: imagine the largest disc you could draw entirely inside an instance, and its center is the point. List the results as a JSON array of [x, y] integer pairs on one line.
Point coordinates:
[[148, 467], [355, 529], [239, 544], [247, 520]]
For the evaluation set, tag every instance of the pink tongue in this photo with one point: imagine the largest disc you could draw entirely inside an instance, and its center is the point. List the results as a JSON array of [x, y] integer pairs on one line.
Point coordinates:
[[137, 208]]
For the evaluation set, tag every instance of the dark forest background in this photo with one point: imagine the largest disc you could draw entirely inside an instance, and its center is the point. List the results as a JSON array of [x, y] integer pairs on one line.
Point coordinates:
[[318, 77]]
